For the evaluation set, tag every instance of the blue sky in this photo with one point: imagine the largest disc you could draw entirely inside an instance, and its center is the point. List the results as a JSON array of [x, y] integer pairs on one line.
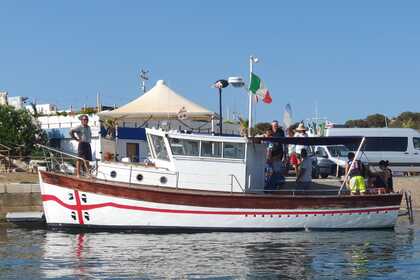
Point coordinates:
[[351, 58]]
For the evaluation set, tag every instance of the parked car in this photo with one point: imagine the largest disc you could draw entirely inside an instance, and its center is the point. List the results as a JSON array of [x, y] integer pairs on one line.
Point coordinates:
[[329, 158]]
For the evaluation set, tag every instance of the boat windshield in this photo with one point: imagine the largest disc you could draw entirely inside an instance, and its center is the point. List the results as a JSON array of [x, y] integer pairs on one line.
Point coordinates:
[[202, 148], [159, 146], [338, 151]]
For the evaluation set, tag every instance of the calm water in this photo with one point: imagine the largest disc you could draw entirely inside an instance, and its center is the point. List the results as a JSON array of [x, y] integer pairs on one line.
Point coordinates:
[[42, 254]]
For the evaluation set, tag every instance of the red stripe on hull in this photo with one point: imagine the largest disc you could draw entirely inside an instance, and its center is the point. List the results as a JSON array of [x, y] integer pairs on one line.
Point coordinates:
[[217, 200], [148, 209], [78, 207]]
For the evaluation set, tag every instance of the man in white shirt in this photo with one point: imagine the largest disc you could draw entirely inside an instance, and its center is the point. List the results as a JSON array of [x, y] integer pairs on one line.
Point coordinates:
[[300, 132], [83, 135], [305, 168]]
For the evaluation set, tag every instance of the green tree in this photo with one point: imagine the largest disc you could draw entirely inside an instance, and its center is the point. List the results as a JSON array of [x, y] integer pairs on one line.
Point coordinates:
[[19, 130], [261, 128], [405, 119], [88, 111], [408, 120], [357, 123], [377, 120], [410, 123]]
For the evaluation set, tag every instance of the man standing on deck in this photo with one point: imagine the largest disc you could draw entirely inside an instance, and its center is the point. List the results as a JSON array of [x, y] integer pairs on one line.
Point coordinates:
[[83, 135], [277, 154]]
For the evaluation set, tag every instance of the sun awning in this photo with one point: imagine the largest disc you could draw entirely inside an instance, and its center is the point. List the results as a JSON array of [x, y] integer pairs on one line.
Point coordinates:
[[159, 103]]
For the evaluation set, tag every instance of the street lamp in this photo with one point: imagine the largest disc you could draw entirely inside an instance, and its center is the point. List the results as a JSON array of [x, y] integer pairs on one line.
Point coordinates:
[[237, 82], [219, 85]]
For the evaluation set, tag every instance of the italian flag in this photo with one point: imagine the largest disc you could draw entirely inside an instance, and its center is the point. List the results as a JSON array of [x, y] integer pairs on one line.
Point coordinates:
[[257, 87]]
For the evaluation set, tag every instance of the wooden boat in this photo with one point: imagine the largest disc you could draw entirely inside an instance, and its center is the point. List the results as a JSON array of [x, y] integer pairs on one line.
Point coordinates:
[[206, 183]]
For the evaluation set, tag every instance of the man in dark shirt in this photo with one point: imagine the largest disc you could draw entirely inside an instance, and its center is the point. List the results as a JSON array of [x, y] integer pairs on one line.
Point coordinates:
[[277, 153], [278, 132]]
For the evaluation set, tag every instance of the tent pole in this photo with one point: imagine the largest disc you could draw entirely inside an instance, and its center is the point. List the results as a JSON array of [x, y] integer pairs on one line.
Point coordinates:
[[250, 98]]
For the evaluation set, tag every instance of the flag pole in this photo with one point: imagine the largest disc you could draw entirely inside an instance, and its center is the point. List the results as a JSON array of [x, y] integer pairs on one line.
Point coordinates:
[[251, 61]]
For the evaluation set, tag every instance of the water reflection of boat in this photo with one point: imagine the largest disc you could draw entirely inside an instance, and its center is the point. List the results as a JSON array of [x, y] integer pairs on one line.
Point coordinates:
[[205, 182], [289, 255]]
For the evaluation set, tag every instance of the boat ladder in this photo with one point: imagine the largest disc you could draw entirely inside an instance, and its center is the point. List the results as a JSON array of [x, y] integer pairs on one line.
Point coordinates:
[[409, 207]]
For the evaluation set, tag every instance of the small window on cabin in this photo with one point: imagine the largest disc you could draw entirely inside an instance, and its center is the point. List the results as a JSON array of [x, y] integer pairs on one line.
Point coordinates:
[[160, 149], [211, 149], [234, 150], [184, 147], [416, 142]]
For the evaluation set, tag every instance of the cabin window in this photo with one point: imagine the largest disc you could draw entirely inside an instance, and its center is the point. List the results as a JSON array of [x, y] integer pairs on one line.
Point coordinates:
[[233, 150], [211, 149], [160, 149], [184, 147], [416, 142]]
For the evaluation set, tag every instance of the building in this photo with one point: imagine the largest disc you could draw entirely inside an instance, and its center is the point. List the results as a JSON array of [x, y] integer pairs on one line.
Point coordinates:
[[17, 101], [43, 109], [3, 97], [58, 131]]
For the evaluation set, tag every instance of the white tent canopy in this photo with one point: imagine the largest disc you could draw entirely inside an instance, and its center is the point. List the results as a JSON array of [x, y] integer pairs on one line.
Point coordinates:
[[159, 103]]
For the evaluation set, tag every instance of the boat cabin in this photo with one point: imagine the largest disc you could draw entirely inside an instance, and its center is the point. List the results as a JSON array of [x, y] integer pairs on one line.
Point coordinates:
[[192, 161]]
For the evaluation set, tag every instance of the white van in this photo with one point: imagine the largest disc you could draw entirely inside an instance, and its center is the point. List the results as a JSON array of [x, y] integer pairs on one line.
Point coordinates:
[[400, 146]]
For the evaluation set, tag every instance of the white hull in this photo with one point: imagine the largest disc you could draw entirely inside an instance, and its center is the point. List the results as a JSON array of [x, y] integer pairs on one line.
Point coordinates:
[[68, 207]]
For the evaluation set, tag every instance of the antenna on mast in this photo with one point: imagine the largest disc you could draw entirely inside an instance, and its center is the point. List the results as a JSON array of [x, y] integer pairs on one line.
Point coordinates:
[[144, 77]]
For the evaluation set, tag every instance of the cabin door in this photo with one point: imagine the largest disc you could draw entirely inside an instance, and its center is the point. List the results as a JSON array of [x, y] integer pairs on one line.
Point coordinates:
[[133, 152]]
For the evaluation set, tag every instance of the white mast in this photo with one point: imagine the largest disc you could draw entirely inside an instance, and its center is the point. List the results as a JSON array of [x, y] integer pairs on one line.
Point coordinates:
[[98, 102], [252, 60]]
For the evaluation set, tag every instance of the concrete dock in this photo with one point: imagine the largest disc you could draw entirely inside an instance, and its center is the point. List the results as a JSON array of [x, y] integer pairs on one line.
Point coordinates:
[[17, 197]]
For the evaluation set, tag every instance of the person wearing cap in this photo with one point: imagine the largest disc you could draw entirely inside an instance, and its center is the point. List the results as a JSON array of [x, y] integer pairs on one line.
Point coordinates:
[[300, 132], [83, 135]]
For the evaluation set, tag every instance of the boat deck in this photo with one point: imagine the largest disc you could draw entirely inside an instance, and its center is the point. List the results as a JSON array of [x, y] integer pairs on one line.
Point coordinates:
[[317, 187]]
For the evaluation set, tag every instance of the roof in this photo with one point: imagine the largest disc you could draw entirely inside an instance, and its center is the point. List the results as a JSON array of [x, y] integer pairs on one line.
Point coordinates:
[[314, 141], [160, 102]]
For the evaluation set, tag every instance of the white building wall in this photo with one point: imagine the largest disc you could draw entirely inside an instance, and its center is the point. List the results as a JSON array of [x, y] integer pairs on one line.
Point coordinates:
[[45, 109], [17, 102], [3, 97]]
